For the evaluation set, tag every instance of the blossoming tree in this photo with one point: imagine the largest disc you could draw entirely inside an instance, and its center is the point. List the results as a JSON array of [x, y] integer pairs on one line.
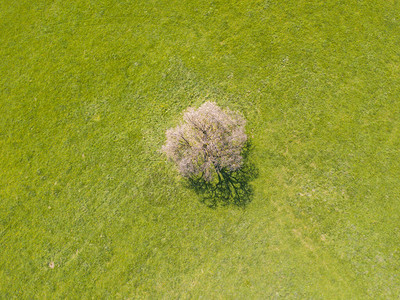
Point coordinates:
[[208, 143]]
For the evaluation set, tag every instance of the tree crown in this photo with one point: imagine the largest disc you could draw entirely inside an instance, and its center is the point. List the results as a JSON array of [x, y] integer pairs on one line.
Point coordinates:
[[208, 141]]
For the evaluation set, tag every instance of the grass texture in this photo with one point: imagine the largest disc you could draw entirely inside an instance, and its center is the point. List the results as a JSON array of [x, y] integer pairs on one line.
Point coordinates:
[[90, 209]]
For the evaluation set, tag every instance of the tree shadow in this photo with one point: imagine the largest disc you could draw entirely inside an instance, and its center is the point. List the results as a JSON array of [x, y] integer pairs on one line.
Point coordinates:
[[231, 188]]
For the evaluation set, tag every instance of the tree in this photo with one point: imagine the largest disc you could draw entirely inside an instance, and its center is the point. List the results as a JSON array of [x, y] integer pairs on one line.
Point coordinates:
[[208, 144]]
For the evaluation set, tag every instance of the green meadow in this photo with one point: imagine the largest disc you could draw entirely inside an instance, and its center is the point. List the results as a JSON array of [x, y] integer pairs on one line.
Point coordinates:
[[89, 207]]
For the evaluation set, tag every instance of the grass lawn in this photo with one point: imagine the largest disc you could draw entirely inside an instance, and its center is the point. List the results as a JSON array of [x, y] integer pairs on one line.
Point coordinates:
[[90, 209]]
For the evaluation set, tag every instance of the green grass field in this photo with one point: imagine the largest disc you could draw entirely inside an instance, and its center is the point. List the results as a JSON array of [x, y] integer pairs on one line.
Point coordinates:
[[87, 90]]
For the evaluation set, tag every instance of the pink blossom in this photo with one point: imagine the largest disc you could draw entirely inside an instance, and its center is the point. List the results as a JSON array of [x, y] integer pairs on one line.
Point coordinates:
[[209, 140]]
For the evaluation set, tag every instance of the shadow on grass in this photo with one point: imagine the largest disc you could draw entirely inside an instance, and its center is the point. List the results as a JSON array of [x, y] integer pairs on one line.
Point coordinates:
[[232, 188]]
